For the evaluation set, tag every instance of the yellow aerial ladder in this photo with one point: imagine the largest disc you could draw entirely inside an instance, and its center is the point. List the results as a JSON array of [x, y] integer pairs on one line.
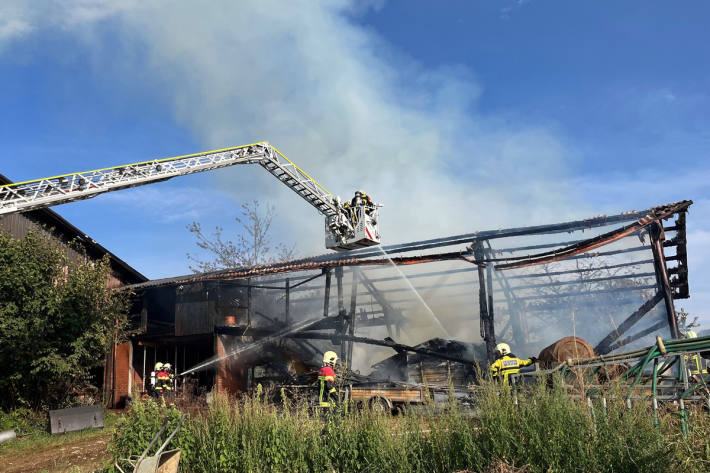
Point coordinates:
[[347, 227]]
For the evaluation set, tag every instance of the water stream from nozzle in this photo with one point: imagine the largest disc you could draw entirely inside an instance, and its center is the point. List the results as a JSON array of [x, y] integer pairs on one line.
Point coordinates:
[[416, 293], [274, 336]]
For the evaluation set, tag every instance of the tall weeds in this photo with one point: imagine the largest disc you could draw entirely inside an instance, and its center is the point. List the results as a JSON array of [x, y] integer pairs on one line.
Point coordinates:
[[539, 428]]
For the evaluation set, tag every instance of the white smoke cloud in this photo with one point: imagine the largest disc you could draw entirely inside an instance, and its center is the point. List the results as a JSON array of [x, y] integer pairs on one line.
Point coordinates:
[[334, 97], [341, 102]]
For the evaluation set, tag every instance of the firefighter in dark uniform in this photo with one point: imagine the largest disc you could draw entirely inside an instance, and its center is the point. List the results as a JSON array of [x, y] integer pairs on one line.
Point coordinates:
[[507, 363], [361, 198]]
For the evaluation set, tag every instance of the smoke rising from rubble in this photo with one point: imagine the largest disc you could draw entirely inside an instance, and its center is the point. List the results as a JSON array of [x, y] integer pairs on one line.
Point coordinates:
[[334, 97]]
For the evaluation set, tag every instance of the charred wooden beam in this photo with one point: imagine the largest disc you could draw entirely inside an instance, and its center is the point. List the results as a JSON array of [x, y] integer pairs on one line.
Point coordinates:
[[515, 277], [604, 346], [656, 214], [581, 270], [681, 288], [636, 336], [520, 287], [486, 321], [664, 287], [326, 297], [341, 308], [250, 305], [353, 307], [398, 347], [287, 308], [565, 227]]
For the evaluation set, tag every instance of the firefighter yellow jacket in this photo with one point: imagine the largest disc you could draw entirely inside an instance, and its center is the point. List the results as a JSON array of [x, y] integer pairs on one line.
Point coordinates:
[[509, 364]]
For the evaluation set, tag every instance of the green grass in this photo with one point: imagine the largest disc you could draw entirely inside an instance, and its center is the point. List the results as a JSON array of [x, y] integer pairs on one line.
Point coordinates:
[[34, 436], [545, 431]]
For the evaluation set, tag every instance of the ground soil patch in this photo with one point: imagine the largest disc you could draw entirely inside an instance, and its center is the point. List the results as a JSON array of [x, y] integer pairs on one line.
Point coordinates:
[[84, 455]]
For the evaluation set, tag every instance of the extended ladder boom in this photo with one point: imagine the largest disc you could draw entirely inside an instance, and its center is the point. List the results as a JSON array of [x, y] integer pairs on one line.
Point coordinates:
[[346, 228], [30, 195]]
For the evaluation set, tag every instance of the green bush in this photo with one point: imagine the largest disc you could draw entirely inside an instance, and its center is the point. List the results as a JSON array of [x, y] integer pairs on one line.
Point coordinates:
[[23, 421], [58, 317], [539, 428]]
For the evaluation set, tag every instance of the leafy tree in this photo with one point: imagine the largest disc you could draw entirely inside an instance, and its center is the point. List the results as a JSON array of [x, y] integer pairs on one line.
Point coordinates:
[[57, 320], [253, 244]]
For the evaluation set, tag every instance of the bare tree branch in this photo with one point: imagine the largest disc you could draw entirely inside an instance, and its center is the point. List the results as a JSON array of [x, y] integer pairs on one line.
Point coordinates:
[[252, 246]]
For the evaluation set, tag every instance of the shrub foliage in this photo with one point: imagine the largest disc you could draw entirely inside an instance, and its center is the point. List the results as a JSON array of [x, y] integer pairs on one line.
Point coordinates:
[[57, 318]]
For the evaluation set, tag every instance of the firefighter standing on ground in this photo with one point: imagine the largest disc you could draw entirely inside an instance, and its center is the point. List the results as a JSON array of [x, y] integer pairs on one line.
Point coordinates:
[[154, 379], [169, 386], [507, 363], [162, 380], [692, 361], [326, 380]]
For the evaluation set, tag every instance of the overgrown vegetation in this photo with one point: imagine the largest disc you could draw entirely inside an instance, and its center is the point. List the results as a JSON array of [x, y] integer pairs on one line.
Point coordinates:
[[57, 319], [540, 428]]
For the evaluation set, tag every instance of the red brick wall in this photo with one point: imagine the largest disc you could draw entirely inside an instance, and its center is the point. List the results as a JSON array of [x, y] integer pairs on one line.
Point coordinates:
[[125, 375], [231, 377]]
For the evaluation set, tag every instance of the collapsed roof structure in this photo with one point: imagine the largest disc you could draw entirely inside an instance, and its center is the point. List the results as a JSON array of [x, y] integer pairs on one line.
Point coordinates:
[[609, 279]]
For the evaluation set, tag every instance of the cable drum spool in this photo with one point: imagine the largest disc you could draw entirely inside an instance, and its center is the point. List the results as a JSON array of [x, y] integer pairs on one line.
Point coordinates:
[[561, 350]]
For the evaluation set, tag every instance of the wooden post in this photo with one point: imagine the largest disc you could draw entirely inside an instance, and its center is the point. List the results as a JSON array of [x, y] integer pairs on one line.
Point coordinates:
[[326, 299], [341, 311], [655, 231], [353, 306], [288, 301], [489, 291], [487, 328], [249, 303], [143, 373]]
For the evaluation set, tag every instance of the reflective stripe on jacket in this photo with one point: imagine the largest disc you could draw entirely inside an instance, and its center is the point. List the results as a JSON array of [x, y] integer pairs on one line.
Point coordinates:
[[509, 364]]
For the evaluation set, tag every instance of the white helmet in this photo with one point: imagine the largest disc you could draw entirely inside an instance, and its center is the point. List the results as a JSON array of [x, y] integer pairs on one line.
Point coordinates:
[[167, 366], [330, 357], [158, 366], [691, 334], [503, 348]]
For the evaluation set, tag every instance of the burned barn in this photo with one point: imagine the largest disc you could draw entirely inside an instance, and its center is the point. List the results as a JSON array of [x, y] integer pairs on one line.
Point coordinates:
[[441, 303]]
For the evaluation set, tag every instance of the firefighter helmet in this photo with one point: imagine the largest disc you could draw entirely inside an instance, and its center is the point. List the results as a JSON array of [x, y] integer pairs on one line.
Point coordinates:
[[158, 366], [503, 348], [691, 334], [167, 366], [330, 357]]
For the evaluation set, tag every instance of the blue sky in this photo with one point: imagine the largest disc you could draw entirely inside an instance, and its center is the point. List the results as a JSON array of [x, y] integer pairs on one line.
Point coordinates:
[[504, 112]]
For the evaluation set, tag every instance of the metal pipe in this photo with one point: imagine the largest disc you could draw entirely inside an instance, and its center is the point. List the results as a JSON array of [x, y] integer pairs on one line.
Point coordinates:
[[654, 387]]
